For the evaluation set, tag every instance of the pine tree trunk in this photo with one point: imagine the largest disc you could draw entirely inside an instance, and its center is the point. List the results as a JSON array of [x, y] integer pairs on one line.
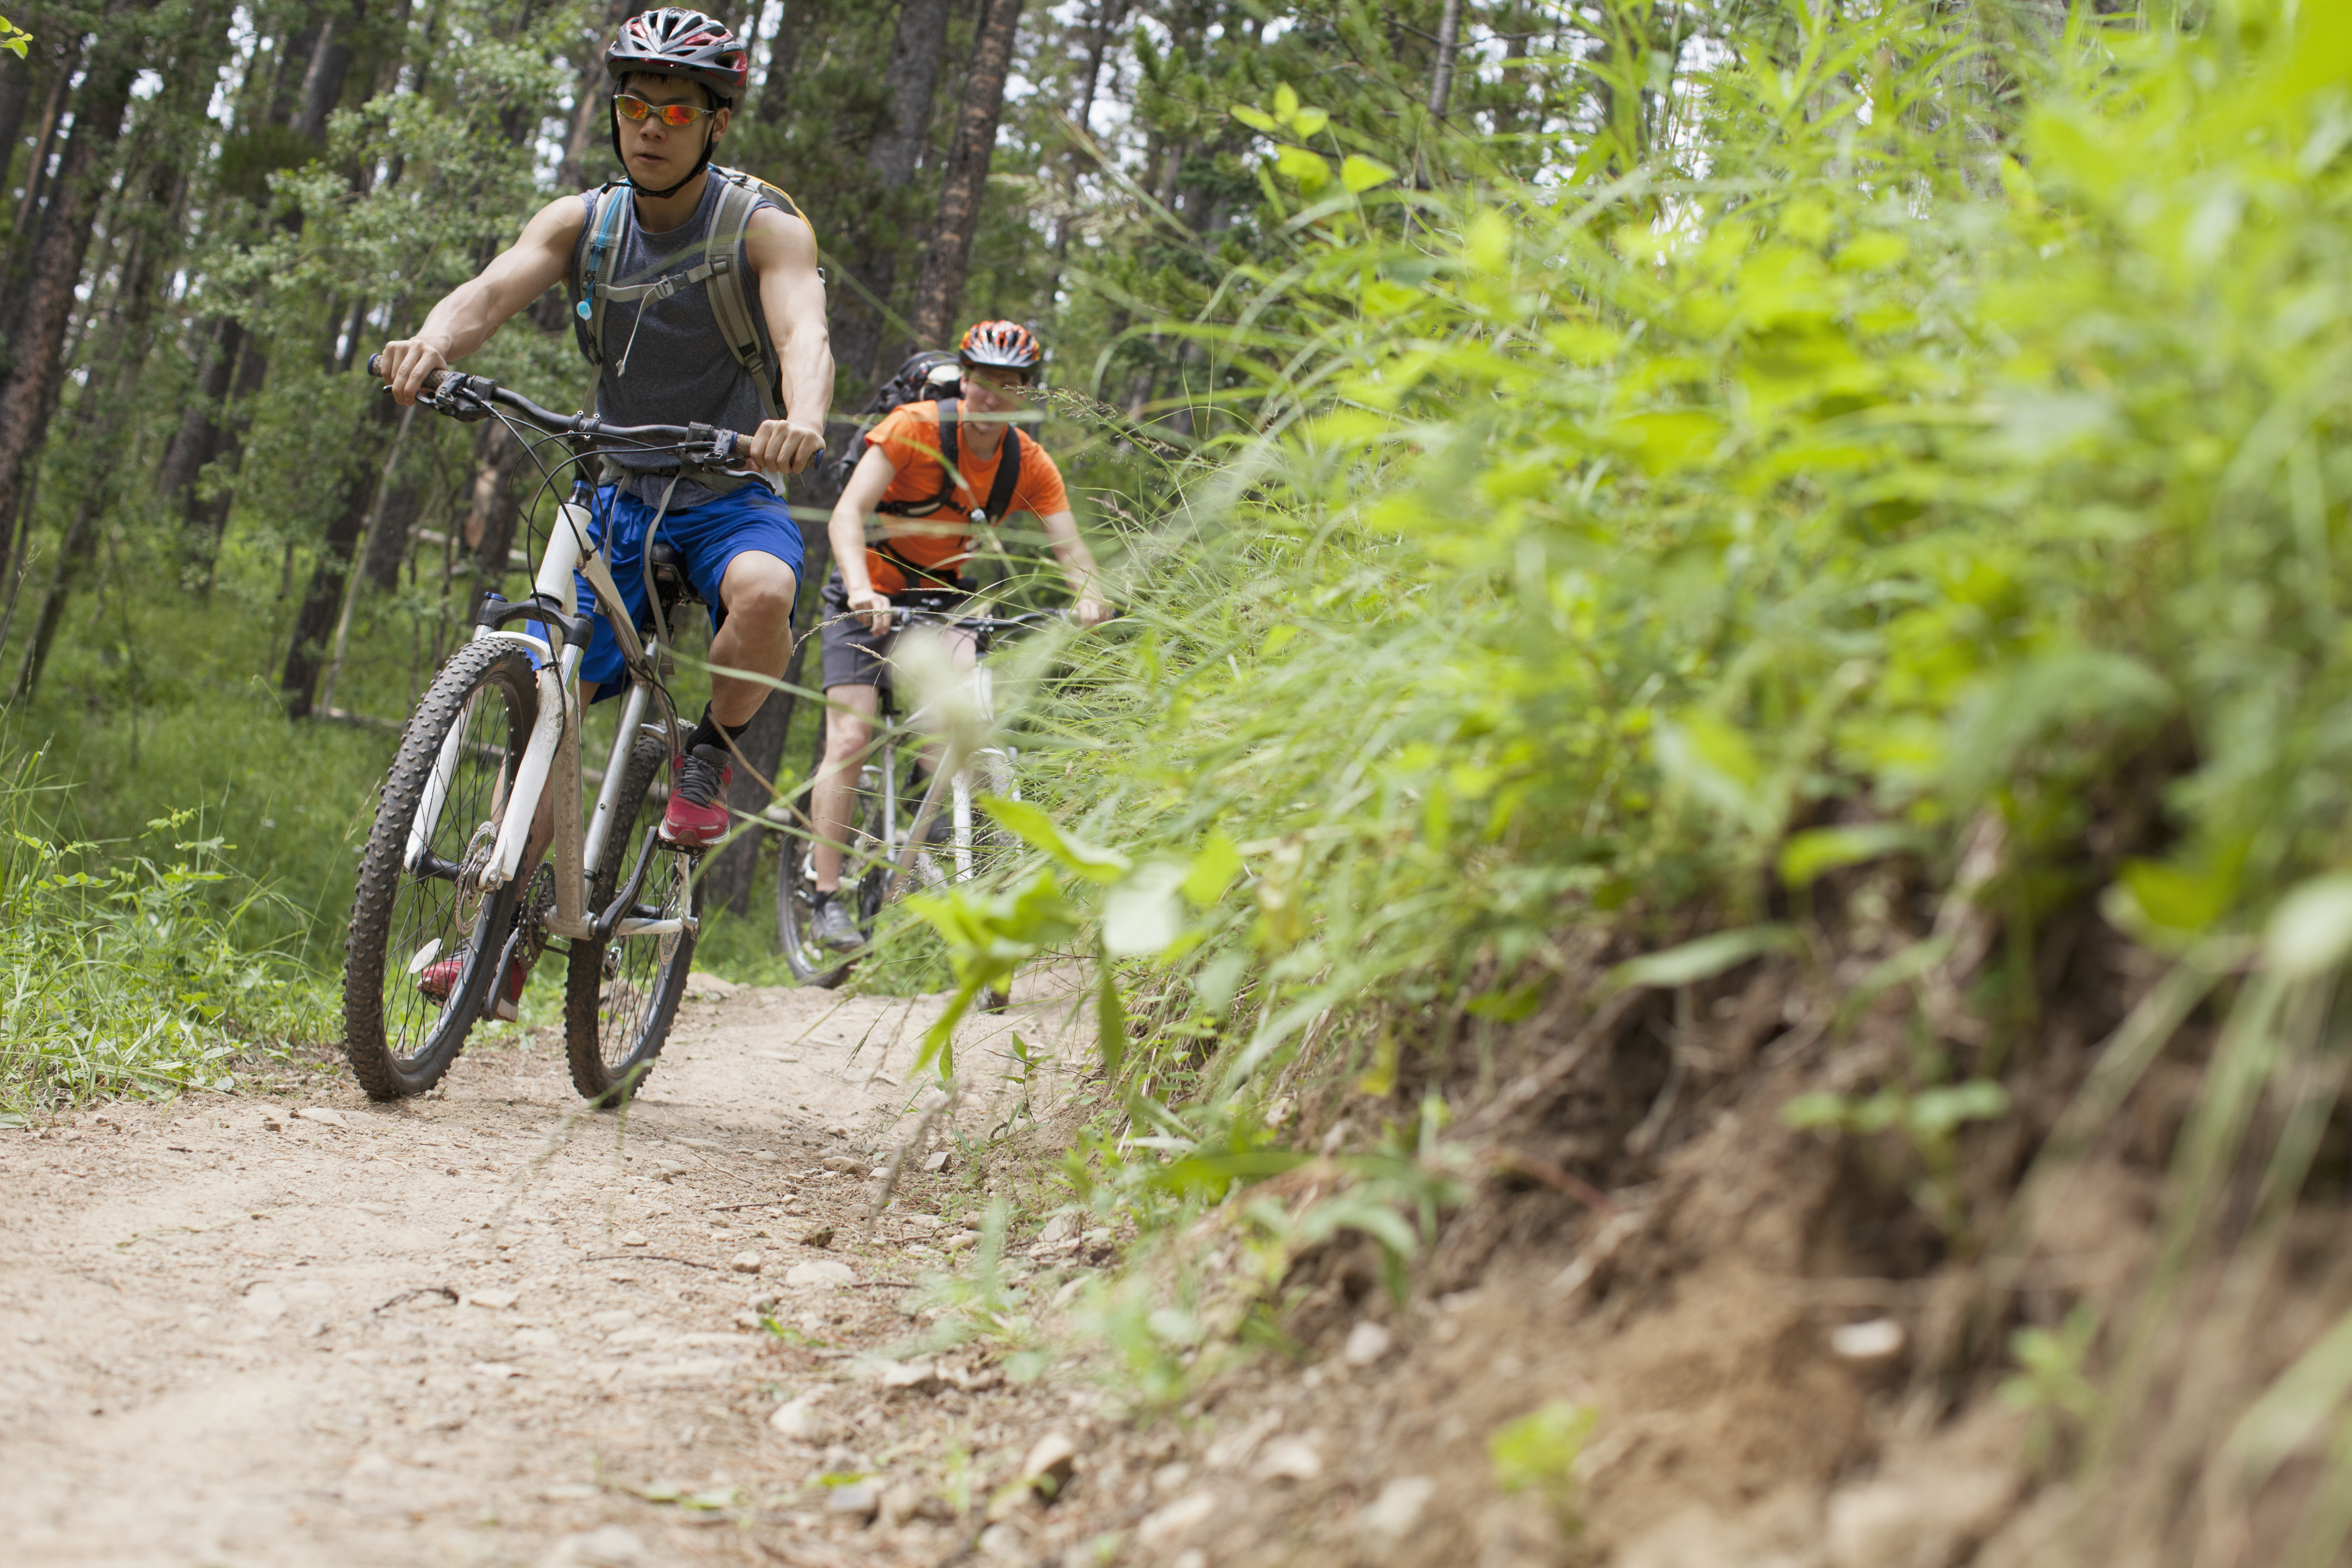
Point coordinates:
[[939, 294], [918, 48], [587, 146], [16, 99], [314, 623], [784, 62], [59, 244]]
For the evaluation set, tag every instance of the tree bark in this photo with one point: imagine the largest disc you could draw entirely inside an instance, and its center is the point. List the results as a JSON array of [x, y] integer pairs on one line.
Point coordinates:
[[587, 145], [15, 97], [1449, 40], [329, 64], [59, 245], [938, 293], [314, 623], [491, 520], [918, 49], [783, 61]]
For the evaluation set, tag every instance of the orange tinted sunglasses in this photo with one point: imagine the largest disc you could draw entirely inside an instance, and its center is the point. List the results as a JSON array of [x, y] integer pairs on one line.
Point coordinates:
[[631, 107]]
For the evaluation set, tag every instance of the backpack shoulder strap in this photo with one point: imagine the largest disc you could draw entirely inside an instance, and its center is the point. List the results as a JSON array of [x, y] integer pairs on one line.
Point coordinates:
[[724, 266], [949, 411], [1011, 458], [606, 206]]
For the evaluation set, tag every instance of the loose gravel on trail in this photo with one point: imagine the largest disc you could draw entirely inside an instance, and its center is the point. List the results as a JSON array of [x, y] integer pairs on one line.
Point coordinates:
[[489, 1326]]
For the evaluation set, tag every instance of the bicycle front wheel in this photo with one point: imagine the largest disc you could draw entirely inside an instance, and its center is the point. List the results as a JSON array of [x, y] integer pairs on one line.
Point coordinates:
[[621, 995], [425, 935]]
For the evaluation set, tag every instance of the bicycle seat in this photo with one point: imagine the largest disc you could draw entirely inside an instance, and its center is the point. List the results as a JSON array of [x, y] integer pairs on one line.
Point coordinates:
[[671, 580]]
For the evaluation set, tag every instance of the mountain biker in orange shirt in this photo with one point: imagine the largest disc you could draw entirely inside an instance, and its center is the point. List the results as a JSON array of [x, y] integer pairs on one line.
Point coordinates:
[[925, 539]]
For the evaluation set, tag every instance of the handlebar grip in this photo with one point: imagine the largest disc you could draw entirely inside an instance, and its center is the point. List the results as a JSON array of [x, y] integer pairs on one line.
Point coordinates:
[[432, 379]]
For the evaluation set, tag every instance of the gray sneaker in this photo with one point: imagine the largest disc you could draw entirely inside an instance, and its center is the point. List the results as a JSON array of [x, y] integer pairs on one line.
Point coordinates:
[[836, 926]]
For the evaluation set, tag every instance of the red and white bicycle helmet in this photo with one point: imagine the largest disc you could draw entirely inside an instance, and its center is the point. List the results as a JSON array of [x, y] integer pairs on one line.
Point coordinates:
[[674, 41], [1001, 345]]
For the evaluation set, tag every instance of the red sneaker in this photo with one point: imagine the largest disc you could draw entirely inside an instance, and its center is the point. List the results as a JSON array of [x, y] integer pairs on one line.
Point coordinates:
[[439, 979], [696, 817]]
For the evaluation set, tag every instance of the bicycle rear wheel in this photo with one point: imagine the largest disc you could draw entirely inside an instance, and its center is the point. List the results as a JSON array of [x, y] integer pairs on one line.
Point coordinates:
[[621, 995], [424, 936]]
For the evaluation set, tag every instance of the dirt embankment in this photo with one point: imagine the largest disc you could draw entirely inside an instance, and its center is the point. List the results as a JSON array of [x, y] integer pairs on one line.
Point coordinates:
[[486, 1328]]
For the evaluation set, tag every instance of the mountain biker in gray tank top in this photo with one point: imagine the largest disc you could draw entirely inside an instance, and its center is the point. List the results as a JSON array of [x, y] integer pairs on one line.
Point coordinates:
[[665, 360], [676, 75]]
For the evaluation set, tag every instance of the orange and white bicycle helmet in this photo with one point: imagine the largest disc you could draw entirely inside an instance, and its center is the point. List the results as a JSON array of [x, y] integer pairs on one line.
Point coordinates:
[[1001, 345]]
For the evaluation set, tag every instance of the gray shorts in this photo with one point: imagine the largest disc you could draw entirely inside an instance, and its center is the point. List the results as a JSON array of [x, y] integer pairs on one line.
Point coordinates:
[[852, 655]]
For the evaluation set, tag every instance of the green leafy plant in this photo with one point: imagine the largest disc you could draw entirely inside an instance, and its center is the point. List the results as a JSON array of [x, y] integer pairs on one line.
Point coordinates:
[[1538, 1451], [2051, 1385]]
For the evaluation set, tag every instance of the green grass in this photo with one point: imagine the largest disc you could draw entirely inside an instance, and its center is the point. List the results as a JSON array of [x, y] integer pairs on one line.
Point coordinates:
[[133, 967]]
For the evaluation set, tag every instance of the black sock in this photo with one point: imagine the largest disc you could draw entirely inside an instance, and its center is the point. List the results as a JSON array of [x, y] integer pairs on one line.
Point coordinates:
[[708, 731]]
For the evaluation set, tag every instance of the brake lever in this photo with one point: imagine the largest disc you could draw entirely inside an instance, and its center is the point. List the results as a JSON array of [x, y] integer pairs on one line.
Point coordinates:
[[456, 397]]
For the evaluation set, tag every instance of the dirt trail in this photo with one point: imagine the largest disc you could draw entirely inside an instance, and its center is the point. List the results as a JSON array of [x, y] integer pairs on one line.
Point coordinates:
[[482, 1326]]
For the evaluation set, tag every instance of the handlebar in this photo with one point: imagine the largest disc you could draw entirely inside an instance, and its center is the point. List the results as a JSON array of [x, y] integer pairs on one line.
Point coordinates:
[[903, 616], [469, 397]]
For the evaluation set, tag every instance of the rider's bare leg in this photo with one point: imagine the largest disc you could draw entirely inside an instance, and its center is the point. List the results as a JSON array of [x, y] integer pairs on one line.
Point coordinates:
[[758, 590], [848, 731]]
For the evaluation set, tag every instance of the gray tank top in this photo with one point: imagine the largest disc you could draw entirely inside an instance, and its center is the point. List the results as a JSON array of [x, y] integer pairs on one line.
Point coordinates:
[[666, 361]]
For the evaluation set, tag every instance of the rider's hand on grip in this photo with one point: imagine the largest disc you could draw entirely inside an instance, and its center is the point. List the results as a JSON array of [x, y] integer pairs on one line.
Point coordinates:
[[786, 446], [405, 364], [873, 608]]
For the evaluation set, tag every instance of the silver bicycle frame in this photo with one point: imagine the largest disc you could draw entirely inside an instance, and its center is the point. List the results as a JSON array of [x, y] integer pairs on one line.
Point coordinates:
[[551, 758]]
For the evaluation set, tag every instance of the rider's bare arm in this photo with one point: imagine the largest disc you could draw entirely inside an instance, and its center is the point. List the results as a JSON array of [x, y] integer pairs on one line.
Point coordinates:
[[782, 254], [859, 499], [463, 322], [1078, 565]]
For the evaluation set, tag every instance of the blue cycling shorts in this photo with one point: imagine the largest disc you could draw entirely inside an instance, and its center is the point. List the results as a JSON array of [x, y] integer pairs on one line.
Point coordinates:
[[708, 536]]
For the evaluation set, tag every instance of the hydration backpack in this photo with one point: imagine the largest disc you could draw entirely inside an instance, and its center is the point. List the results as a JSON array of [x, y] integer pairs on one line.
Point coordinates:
[[933, 374], [732, 303]]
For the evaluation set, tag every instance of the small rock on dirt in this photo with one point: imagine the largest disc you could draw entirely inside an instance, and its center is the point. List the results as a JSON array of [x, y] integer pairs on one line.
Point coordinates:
[[860, 1500], [1058, 1229], [823, 1275], [836, 1131], [935, 1162], [1289, 1459], [912, 1375], [1164, 1526], [494, 1300], [1879, 1340], [843, 1165], [701, 987], [327, 1114], [796, 1420], [634, 1238], [1050, 1464], [1367, 1342], [821, 1236], [1390, 1516], [265, 1304], [1923, 1519], [611, 1547], [1003, 1544], [747, 1263], [958, 1241]]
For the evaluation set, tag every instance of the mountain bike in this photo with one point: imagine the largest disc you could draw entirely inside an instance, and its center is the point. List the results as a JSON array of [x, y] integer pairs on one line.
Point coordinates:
[[884, 857], [442, 912]]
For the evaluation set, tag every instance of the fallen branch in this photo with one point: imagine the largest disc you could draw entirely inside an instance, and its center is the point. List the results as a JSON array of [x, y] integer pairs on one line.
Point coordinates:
[[1517, 1162]]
